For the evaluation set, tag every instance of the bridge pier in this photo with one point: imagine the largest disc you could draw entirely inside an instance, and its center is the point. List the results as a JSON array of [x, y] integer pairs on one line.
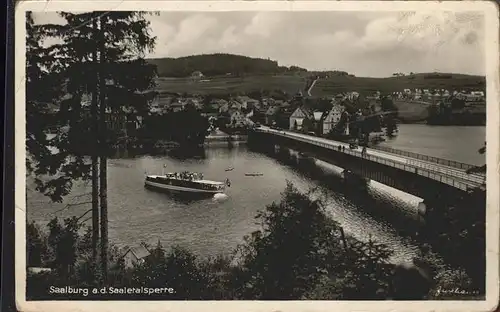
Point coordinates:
[[454, 218], [434, 192]]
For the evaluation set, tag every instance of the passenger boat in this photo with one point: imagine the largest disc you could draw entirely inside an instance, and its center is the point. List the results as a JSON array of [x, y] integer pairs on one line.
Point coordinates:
[[185, 182]]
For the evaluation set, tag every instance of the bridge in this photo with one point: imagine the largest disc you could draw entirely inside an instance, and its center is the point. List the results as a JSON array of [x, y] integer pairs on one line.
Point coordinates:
[[421, 175]]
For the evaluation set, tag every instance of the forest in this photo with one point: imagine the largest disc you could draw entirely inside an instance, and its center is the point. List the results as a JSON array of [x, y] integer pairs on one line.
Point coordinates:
[[219, 65]]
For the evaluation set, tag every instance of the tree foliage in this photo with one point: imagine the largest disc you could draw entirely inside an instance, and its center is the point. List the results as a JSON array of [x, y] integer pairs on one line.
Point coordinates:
[[64, 75], [186, 127], [299, 253], [45, 82]]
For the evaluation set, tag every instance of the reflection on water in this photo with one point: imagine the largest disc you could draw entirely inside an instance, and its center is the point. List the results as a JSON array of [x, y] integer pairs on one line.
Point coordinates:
[[212, 225], [215, 225]]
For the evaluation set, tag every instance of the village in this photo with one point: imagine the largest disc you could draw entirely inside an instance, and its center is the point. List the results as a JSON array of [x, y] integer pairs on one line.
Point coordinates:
[[326, 117], [318, 116]]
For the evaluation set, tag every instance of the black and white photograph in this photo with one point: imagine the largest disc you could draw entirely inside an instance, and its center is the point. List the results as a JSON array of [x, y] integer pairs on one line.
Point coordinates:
[[250, 151]]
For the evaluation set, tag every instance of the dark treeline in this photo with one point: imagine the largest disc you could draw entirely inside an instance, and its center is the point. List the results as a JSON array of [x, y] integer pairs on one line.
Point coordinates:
[[186, 127], [299, 253], [217, 65], [454, 113]]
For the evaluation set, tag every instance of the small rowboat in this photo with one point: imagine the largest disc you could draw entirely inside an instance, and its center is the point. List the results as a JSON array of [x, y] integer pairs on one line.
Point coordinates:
[[254, 174]]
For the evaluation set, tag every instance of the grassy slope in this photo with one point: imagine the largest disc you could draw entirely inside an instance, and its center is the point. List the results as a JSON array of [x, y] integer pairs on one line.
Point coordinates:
[[365, 85], [324, 87], [233, 85]]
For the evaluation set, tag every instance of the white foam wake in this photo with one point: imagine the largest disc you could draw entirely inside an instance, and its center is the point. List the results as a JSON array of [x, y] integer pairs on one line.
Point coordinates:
[[220, 197]]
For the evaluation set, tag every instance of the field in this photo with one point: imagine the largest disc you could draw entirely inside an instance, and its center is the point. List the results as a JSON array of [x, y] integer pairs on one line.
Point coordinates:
[[291, 84], [411, 111], [232, 85]]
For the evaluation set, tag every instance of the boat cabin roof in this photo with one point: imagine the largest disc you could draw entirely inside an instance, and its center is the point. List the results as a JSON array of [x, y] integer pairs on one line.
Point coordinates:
[[198, 181]]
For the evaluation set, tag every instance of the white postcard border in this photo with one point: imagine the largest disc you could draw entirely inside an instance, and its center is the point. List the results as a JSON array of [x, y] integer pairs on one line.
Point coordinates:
[[492, 155]]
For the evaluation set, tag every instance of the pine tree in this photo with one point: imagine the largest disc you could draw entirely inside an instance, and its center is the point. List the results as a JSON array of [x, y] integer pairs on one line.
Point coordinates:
[[55, 161], [77, 58], [95, 160], [103, 163], [119, 45]]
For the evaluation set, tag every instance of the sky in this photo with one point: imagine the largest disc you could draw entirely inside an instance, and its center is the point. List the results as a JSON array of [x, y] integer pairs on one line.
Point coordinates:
[[372, 44]]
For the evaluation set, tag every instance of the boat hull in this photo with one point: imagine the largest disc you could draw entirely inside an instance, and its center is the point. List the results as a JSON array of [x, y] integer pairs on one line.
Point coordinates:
[[180, 189]]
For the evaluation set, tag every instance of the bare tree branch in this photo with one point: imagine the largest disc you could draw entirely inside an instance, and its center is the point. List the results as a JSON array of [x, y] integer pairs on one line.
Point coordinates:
[[83, 215], [87, 219], [71, 205]]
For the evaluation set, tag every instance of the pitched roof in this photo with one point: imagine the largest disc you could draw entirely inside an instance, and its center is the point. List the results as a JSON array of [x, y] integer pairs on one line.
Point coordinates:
[[307, 111], [272, 110], [318, 115], [243, 98], [138, 252]]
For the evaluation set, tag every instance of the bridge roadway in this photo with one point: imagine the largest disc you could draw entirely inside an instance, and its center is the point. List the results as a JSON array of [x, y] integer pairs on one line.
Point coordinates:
[[450, 175]]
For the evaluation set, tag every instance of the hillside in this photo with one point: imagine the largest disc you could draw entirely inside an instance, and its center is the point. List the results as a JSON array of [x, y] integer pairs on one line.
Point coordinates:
[[291, 83], [367, 85], [218, 65]]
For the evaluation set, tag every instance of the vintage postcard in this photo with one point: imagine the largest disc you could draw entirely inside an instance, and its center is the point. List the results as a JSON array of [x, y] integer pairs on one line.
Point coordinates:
[[256, 155]]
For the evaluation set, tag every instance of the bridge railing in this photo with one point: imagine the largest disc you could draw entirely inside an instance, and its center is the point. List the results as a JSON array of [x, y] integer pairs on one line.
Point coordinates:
[[452, 171], [438, 176], [429, 173], [441, 161]]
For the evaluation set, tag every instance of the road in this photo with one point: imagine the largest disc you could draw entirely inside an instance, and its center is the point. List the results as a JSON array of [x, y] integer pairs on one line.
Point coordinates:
[[471, 180]]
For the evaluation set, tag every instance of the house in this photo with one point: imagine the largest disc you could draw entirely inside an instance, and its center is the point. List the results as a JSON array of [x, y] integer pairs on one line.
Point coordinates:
[[177, 106], [286, 107], [155, 109], [270, 115], [332, 118], [194, 102], [197, 75], [245, 101], [237, 117], [217, 103], [298, 116], [298, 96], [224, 107], [253, 103], [248, 102], [283, 118], [210, 115], [259, 115], [266, 102], [135, 255], [116, 121], [317, 122], [235, 105], [160, 105]]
